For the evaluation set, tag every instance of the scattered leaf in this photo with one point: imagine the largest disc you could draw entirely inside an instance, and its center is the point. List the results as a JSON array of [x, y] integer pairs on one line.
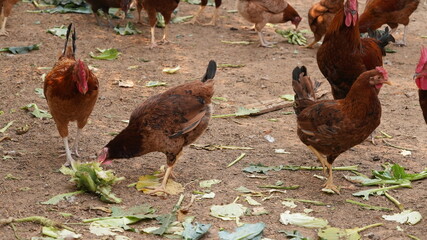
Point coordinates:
[[237, 42], [171, 70], [126, 83], [20, 50], [58, 31], [365, 193], [230, 212], [7, 126], [208, 183], [294, 235], [129, 29], [302, 220], [56, 199], [245, 232], [213, 147], [289, 204], [242, 111], [333, 233], [146, 183], [257, 211], [181, 19], [106, 54], [39, 92], [252, 201], [155, 84], [408, 216], [226, 65], [194, 232], [38, 113], [288, 97]]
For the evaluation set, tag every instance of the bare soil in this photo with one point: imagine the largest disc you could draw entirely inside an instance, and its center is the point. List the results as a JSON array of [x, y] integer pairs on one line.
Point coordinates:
[[265, 76]]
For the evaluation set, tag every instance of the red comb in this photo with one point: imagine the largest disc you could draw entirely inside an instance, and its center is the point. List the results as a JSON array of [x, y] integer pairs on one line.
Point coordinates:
[[423, 60], [382, 71]]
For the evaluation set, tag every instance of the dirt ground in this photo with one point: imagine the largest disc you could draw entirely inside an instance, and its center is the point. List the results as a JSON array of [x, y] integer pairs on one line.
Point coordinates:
[[265, 76]]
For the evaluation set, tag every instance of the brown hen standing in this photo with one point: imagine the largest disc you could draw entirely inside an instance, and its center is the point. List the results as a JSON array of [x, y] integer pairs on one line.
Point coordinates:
[[331, 127], [164, 7], [261, 12], [105, 5], [165, 123], [202, 8], [71, 91], [5, 10]]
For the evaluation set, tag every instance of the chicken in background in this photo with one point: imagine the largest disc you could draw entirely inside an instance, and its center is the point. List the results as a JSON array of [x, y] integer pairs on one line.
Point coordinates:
[[166, 123], [420, 78], [71, 91], [105, 5], [331, 127], [390, 12], [261, 12], [320, 17], [202, 8], [343, 55], [165, 7], [5, 10]]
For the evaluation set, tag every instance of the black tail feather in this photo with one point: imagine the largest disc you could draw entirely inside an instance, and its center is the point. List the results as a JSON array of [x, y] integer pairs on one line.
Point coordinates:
[[305, 92], [66, 38], [383, 38], [74, 41], [297, 71], [210, 71]]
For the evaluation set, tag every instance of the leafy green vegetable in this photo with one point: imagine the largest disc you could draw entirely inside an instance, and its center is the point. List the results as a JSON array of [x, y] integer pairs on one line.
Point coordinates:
[[293, 36], [333, 233], [171, 70], [39, 92], [167, 219], [58, 31], [408, 216], [20, 50], [303, 220], [232, 211], [38, 113], [129, 29], [92, 178], [208, 183], [367, 206], [58, 233], [194, 232], [56, 199], [288, 97], [245, 232], [155, 84], [260, 168], [365, 194], [106, 54]]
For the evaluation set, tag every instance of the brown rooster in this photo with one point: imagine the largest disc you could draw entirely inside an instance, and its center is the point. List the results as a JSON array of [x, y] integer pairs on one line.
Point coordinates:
[[421, 81], [343, 55], [202, 8], [165, 7], [261, 12], [320, 16], [166, 123], [5, 9], [390, 12], [331, 127], [71, 91], [105, 5]]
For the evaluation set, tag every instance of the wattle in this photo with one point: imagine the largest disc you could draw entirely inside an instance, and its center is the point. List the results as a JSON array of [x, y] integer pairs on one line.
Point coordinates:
[[421, 83]]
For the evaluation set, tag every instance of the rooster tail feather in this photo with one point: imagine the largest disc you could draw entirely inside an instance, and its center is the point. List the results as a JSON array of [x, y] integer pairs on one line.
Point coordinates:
[[304, 90], [210, 71], [66, 39], [74, 41], [383, 38]]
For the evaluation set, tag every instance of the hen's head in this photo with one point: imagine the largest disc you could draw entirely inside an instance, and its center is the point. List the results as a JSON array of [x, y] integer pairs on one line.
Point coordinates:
[[81, 73], [103, 156], [290, 14], [379, 77], [421, 70], [350, 11]]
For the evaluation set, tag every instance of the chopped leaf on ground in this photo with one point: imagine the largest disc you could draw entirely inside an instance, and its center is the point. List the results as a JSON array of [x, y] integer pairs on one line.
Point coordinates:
[[20, 50], [155, 84], [333, 233], [58, 31], [294, 235], [129, 29], [408, 216], [302, 220], [56, 199], [37, 112], [260, 168], [56, 233], [171, 70], [92, 178], [245, 232], [106, 54], [194, 232], [146, 183], [230, 212], [209, 183]]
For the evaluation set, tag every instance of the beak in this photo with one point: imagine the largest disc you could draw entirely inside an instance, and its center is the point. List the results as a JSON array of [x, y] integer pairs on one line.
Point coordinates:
[[415, 76], [387, 82]]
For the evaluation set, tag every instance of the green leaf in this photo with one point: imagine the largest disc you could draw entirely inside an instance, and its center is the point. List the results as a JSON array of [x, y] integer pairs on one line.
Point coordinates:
[[143, 209], [6, 127], [20, 50], [197, 2], [92, 178], [56, 199], [226, 65], [232, 211], [106, 54], [38, 113], [408, 216], [288, 97], [155, 84], [237, 42], [365, 193], [302, 220], [171, 70], [39, 92], [194, 232], [181, 19], [129, 29], [208, 183], [58, 31], [59, 234], [242, 111], [260, 168], [333, 233], [245, 232]]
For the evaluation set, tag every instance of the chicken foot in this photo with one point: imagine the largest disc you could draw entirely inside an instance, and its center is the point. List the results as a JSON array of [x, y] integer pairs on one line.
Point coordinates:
[[3, 20], [214, 18], [70, 160], [162, 187], [263, 42], [319, 156], [196, 17]]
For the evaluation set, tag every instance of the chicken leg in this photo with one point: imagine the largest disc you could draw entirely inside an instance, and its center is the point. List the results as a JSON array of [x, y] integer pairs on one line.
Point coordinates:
[[162, 187], [326, 165], [76, 142], [263, 42], [214, 18], [70, 160], [196, 17], [3, 20]]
